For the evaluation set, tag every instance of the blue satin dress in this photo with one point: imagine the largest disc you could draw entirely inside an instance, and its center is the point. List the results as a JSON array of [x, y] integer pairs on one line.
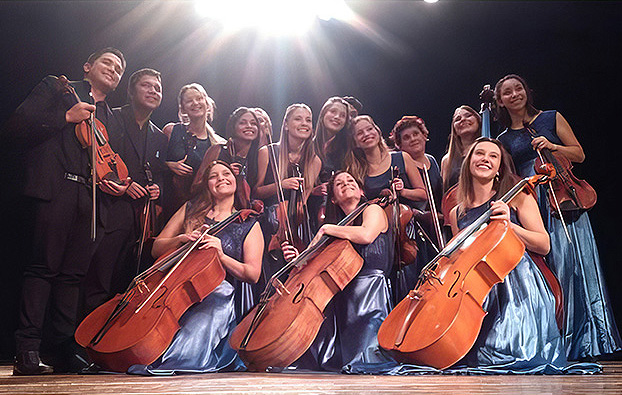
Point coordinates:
[[201, 344], [348, 335], [519, 334], [519, 331], [590, 328]]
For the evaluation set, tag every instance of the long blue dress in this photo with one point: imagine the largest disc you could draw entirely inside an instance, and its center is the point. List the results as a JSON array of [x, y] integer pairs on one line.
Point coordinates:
[[201, 345], [519, 334], [590, 328], [519, 331], [348, 335]]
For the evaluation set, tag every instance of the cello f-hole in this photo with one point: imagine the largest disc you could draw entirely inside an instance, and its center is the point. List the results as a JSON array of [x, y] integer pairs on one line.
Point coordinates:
[[454, 284], [298, 296]]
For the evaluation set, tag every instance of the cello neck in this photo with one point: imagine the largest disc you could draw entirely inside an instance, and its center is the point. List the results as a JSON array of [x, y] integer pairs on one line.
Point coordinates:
[[310, 252], [461, 237], [487, 97]]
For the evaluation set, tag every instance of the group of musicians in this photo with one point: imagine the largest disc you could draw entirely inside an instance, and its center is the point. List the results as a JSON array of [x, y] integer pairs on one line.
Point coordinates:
[[89, 242]]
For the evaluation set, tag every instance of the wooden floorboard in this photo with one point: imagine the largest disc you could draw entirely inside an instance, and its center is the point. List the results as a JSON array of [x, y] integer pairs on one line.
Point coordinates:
[[609, 382]]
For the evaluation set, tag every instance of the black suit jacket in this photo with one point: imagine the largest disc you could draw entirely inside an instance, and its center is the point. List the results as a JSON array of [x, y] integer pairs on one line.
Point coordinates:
[[136, 147], [49, 147]]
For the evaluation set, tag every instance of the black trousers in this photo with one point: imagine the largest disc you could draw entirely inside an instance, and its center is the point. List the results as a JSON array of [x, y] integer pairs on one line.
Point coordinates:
[[57, 264], [110, 269]]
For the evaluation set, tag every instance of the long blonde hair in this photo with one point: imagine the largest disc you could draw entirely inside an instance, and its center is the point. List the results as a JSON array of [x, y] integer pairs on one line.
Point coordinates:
[[355, 161], [307, 152]]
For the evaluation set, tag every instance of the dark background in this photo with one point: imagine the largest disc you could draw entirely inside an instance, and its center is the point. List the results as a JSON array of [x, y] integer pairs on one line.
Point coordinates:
[[407, 57]]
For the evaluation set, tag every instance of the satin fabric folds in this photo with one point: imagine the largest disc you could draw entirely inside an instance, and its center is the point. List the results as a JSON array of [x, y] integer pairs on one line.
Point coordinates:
[[348, 335], [590, 328], [201, 344], [519, 334]]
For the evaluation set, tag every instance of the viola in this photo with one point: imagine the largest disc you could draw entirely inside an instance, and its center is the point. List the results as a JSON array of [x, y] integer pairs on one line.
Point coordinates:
[[399, 216], [108, 164], [437, 323], [147, 218], [288, 317], [567, 193], [292, 214], [138, 326]]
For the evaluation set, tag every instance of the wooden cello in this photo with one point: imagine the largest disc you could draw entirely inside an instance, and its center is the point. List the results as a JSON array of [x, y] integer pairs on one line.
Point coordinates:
[[288, 317], [138, 326], [437, 323]]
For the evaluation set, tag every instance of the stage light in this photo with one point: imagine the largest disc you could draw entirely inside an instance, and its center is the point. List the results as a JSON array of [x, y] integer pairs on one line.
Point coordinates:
[[431, 1], [273, 17]]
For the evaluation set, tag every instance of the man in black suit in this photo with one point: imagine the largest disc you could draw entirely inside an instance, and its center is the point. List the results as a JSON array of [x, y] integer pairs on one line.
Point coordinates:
[[142, 146], [57, 190]]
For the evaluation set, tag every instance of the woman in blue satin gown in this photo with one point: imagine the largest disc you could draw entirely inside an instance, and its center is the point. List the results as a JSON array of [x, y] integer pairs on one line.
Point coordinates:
[[201, 344], [411, 135], [369, 160], [519, 332], [590, 328], [348, 335]]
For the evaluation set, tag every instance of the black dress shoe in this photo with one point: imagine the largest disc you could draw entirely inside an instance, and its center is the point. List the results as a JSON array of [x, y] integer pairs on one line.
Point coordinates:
[[28, 363]]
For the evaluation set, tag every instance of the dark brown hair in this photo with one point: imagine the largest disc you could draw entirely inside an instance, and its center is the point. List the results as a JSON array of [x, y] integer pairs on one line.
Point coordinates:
[[502, 113], [503, 183], [203, 201]]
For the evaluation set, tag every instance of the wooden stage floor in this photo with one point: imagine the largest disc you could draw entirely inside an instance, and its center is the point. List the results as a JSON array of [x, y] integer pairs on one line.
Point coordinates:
[[609, 382]]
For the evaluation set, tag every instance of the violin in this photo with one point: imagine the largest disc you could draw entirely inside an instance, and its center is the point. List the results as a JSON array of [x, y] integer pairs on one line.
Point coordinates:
[[300, 212], [147, 220], [324, 177], [437, 323], [288, 210], [138, 326], [287, 318], [105, 163], [108, 164], [567, 193], [400, 215]]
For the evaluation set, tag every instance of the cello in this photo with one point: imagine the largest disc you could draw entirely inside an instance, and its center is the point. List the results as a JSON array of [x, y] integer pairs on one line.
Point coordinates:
[[138, 326], [437, 323], [288, 317]]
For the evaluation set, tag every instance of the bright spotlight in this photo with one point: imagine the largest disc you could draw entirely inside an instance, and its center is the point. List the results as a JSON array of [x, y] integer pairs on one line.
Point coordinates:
[[273, 17]]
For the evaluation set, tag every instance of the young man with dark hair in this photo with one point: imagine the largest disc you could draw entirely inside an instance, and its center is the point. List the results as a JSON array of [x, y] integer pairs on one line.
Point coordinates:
[[57, 191], [142, 146]]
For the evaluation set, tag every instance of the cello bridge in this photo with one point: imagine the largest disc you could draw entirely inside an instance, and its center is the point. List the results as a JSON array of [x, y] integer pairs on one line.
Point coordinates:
[[279, 287], [140, 285]]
